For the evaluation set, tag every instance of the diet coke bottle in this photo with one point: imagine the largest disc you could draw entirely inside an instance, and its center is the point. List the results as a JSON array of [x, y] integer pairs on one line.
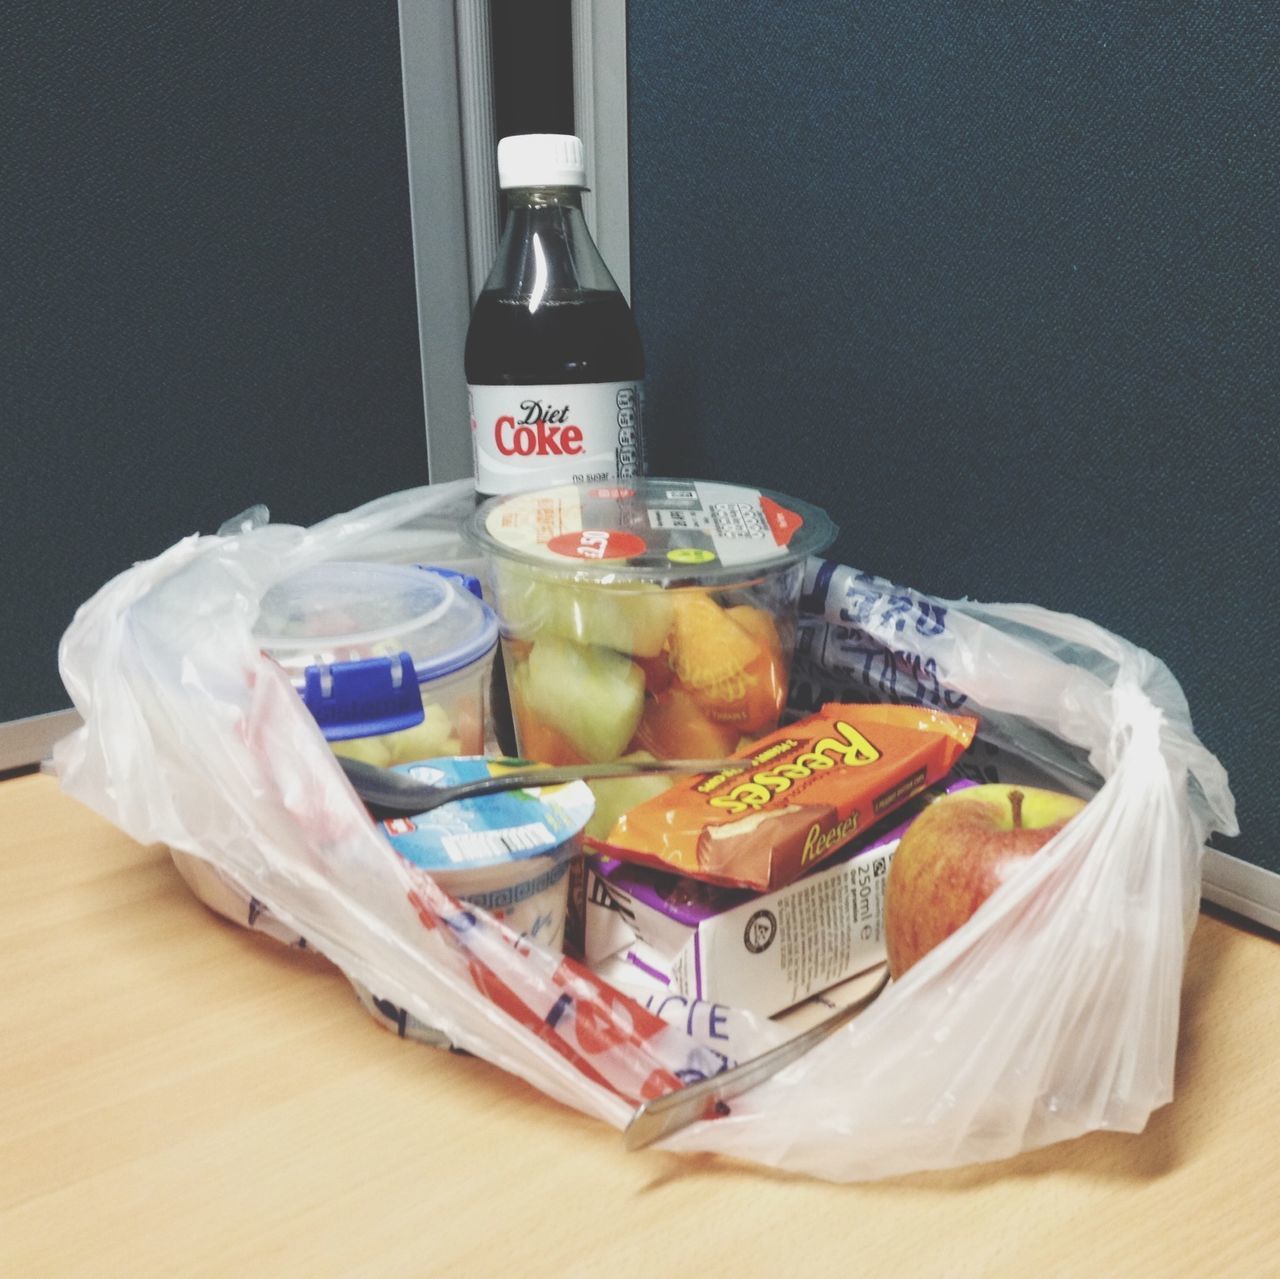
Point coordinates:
[[554, 364]]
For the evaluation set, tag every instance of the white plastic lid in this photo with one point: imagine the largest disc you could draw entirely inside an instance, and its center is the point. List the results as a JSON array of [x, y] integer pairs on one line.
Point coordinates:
[[346, 612], [541, 160], [691, 532]]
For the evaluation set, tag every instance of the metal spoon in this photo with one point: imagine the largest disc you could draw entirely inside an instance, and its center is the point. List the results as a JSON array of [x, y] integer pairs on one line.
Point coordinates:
[[391, 794]]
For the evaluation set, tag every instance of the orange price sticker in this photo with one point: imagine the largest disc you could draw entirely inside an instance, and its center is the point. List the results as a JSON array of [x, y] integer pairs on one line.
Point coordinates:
[[598, 544]]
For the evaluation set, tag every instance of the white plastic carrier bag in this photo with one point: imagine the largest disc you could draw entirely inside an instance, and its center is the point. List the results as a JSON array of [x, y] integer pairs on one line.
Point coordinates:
[[1053, 1012]]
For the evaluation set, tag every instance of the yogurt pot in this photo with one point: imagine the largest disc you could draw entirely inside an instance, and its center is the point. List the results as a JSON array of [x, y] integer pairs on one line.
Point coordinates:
[[392, 661], [509, 854], [650, 616]]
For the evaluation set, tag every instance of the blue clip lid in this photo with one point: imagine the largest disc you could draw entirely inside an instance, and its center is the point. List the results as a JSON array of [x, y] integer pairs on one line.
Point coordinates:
[[361, 699], [358, 640]]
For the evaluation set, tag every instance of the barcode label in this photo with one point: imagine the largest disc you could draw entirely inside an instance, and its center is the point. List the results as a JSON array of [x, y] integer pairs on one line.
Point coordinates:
[[476, 845], [681, 519]]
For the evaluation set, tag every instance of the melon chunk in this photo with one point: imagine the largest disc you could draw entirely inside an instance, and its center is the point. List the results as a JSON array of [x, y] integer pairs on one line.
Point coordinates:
[[368, 750], [618, 795], [538, 740], [592, 696], [431, 739], [628, 618]]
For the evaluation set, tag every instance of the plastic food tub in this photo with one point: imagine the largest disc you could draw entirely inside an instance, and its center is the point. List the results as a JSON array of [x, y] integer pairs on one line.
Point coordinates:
[[392, 661], [653, 616]]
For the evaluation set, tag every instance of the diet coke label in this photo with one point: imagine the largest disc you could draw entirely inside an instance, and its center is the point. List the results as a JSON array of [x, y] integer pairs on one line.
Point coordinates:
[[525, 437]]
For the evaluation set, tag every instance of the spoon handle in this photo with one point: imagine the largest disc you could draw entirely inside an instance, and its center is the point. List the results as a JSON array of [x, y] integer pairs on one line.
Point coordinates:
[[399, 794], [669, 1113]]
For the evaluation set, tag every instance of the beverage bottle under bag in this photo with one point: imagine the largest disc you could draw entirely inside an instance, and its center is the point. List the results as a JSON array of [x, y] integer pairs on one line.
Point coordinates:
[[554, 364]]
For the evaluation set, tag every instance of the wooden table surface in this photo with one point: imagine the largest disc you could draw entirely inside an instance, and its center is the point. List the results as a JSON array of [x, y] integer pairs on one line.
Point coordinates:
[[179, 1097]]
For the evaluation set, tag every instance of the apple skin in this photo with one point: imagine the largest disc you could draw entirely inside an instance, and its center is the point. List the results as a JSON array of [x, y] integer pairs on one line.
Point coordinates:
[[956, 854]]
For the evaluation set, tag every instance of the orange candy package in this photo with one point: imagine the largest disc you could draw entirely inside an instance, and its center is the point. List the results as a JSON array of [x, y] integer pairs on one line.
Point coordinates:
[[803, 792]]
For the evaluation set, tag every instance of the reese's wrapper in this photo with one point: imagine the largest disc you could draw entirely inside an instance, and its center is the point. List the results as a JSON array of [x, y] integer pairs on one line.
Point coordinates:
[[804, 791]]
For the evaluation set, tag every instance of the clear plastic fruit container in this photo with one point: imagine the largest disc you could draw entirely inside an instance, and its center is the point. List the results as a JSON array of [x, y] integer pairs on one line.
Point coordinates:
[[646, 616], [393, 662]]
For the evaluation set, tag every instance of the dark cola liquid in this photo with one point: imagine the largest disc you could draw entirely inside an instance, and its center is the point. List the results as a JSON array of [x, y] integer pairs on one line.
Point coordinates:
[[590, 337]]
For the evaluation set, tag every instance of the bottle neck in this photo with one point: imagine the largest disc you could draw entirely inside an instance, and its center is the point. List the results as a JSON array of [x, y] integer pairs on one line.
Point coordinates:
[[543, 197], [546, 250]]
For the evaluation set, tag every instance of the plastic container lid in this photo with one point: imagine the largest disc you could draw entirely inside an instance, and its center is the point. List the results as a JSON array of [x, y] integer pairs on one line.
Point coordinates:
[[541, 160], [359, 639], [652, 530], [471, 834]]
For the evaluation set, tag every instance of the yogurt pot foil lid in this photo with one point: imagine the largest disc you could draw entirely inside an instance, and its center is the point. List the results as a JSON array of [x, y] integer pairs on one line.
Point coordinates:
[[492, 829]]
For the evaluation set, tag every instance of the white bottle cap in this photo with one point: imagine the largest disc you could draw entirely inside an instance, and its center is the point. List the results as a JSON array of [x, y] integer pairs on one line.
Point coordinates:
[[541, 160]]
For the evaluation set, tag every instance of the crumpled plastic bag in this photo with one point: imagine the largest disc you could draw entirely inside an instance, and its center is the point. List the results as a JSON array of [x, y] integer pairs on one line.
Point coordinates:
[[1053, 1012]]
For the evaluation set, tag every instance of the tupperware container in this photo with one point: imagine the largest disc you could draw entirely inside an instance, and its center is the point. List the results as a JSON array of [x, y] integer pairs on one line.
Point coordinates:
[[647, 616], [392, 661]]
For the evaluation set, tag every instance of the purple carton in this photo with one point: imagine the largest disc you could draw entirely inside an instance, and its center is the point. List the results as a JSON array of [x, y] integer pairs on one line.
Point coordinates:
[[761, 951]]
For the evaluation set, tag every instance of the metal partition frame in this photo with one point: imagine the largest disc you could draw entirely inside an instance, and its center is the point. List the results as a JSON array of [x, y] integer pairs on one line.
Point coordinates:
[[24, 742], [600, 117], [433, 34]]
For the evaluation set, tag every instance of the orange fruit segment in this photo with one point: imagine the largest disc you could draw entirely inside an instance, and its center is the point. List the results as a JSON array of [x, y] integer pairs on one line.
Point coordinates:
[[758, 622], [760, 704], [657, 673], [706, 647], [674, 727], [730, 661]]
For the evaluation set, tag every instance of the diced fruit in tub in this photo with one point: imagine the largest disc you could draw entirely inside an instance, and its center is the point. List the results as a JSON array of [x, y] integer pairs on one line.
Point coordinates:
[[617, 795], [674, 727], [730, 661], [758, 622], [628, 619], [430, 739], [369, 750], [538, 740], [592, 695], [657, 673], [706, 646], [468, 728]]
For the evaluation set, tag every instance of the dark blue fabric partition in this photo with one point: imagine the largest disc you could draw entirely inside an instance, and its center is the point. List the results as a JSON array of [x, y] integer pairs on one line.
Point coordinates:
[[997, 286], [208, 288]]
